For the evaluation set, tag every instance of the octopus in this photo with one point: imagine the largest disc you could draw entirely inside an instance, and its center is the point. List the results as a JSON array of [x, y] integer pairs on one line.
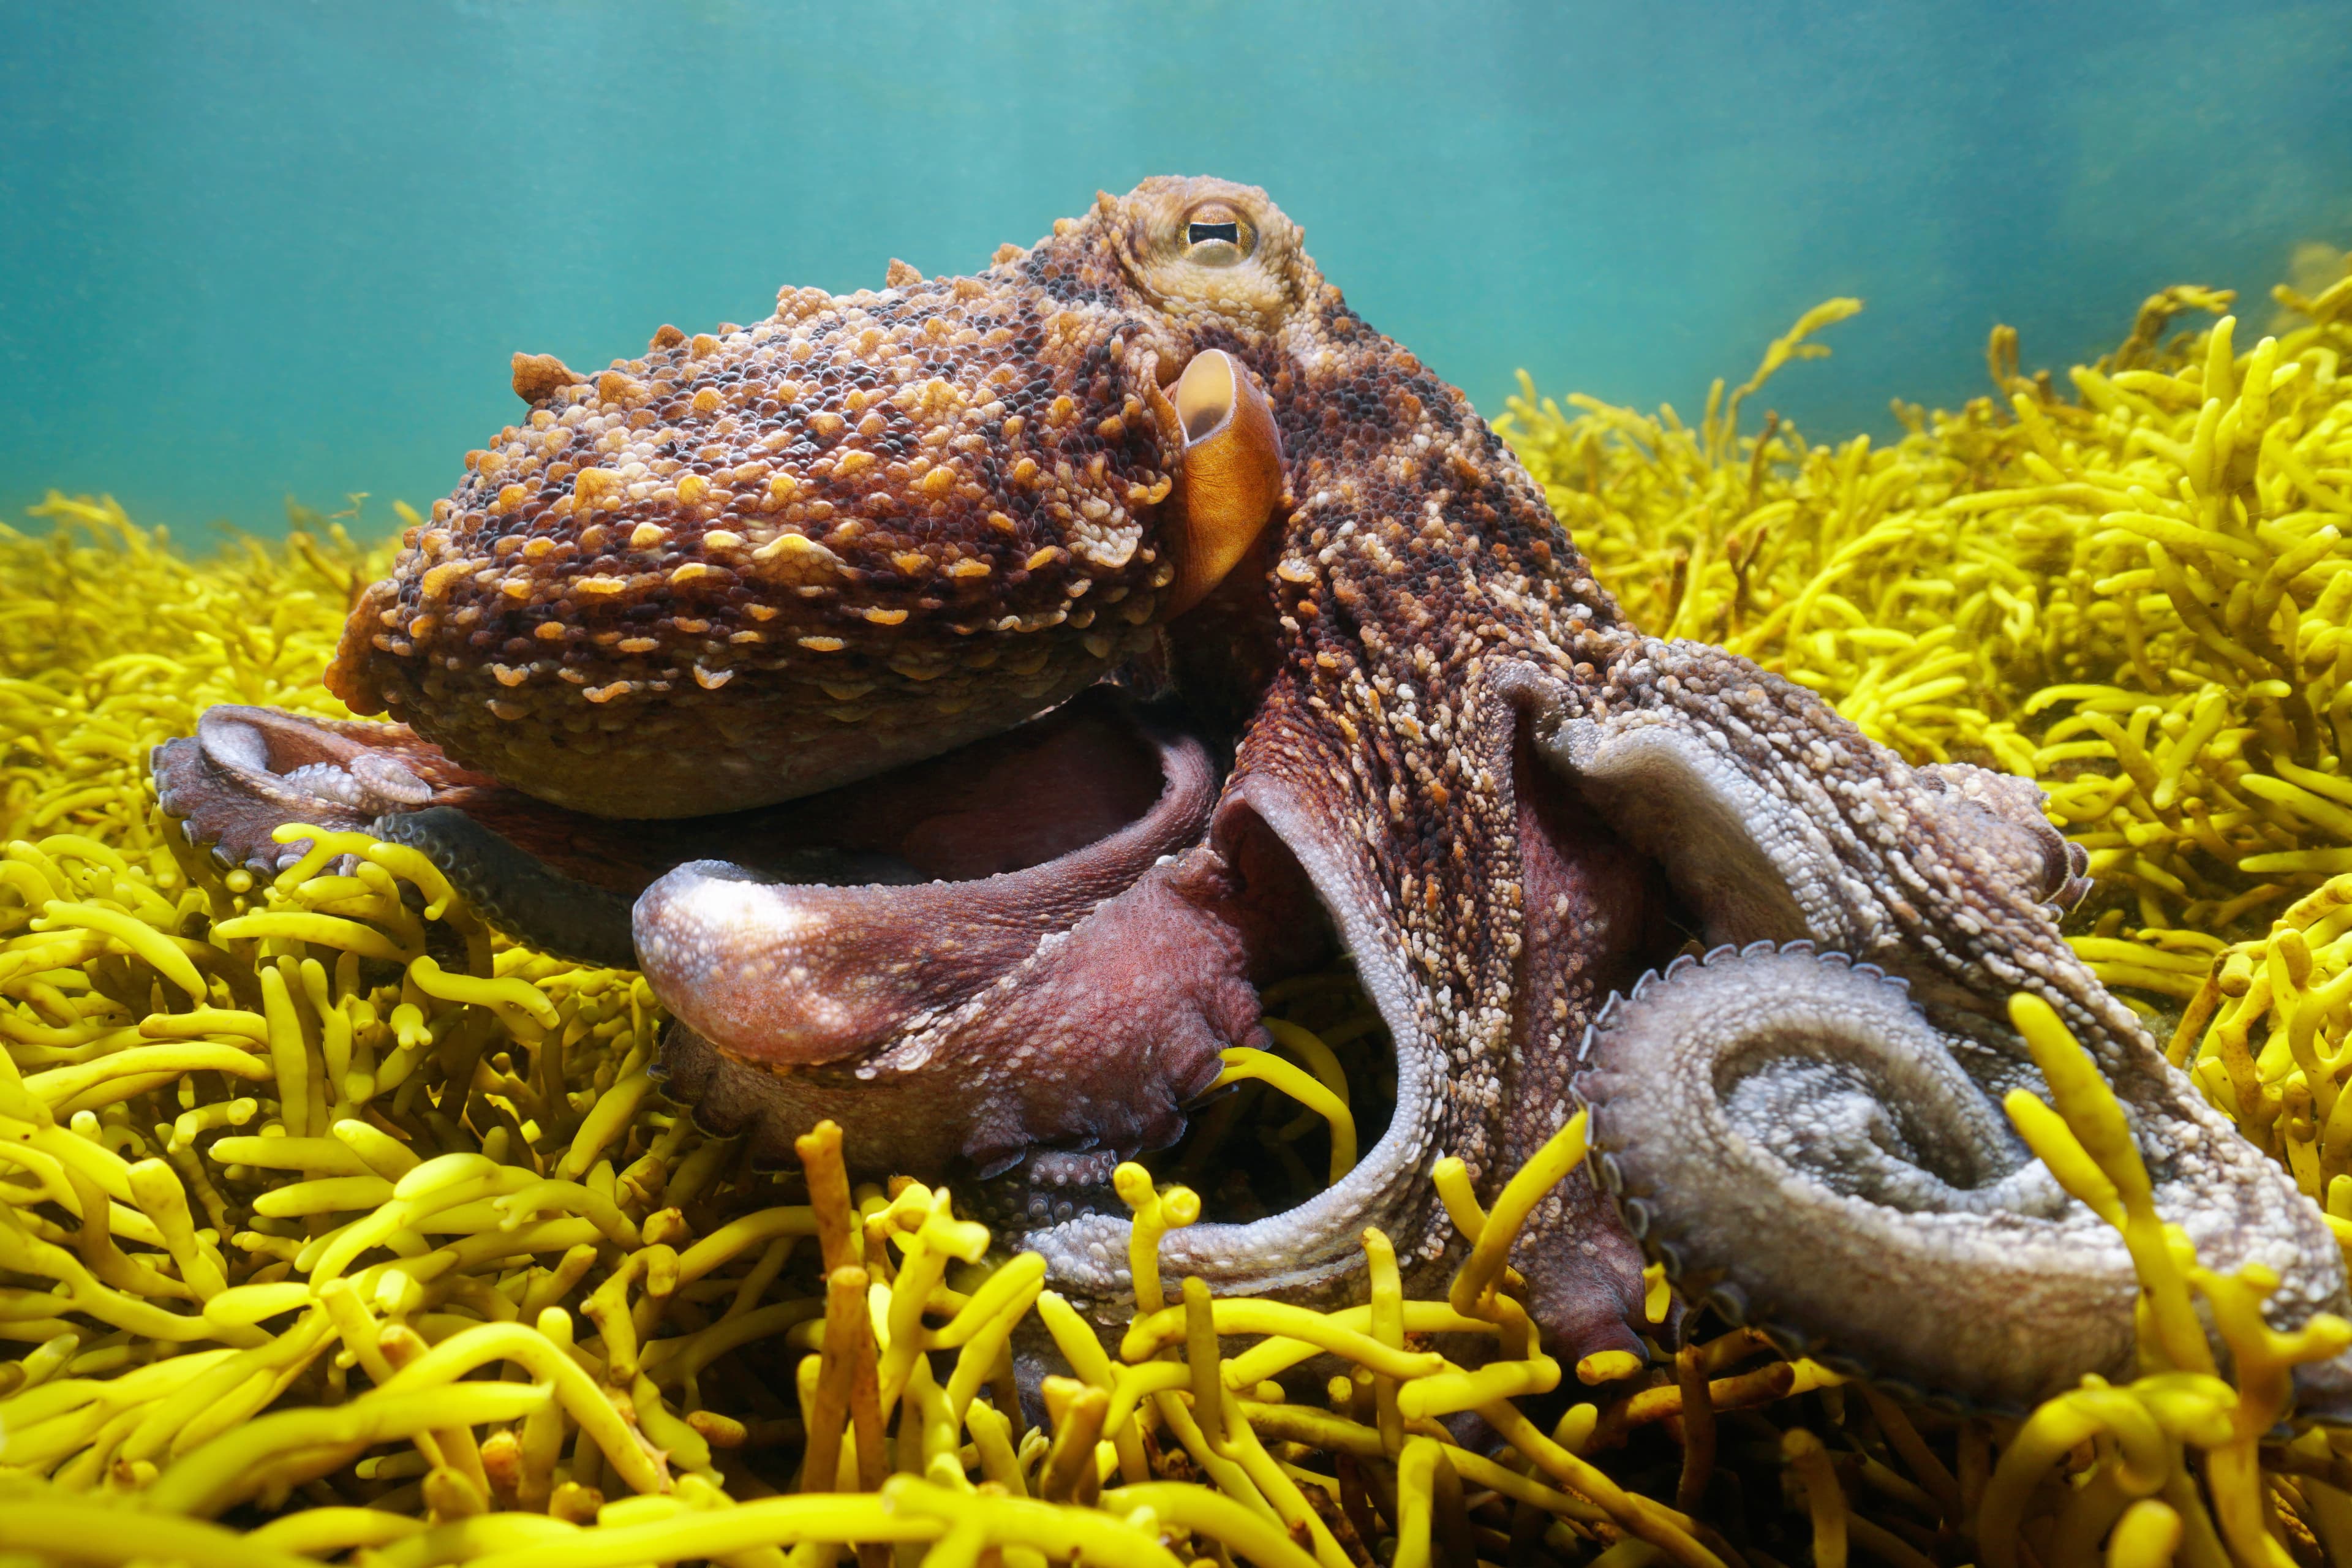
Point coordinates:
[[962, 699]]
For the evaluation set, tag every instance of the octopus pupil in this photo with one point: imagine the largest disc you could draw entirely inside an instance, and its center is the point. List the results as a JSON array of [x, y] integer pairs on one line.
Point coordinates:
[[1195, 233]]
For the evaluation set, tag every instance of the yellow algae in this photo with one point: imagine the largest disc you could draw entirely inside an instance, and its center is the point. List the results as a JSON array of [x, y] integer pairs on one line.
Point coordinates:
[[325, 1210]]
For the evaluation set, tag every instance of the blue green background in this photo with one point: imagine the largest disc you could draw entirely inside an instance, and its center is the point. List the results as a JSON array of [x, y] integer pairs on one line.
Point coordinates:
[[274, 247]]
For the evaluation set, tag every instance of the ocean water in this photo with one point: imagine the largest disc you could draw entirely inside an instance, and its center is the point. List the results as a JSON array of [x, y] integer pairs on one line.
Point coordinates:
[[273, 247]]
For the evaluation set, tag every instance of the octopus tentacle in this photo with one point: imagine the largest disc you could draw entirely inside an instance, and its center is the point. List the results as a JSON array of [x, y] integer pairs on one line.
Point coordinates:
[[1096, 1035], [969, 1025], [788, 975], [1793, 1141], [246, 771], [1777, 817], [516, 890], [1315, 1249], [1595, 913], [1778, 821]]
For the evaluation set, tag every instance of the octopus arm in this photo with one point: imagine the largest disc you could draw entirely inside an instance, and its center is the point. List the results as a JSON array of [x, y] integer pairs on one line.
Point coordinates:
[[1279, 825], [1805, 1151], [800, 974], [1806, 1125], [1005, 1026]]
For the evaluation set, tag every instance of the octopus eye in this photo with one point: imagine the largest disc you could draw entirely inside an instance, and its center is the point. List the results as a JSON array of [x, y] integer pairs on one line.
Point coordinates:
[[1217, 236]]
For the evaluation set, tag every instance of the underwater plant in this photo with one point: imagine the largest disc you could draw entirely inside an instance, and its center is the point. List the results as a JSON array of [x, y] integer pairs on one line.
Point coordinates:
[[601, 1337]]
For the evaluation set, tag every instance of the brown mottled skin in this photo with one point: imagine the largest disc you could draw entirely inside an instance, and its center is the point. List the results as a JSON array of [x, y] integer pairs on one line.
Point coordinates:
[[755, 563], [1508, 802]]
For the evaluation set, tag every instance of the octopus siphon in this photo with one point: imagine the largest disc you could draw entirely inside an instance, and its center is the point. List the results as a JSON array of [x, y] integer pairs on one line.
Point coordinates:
[[962, 700]]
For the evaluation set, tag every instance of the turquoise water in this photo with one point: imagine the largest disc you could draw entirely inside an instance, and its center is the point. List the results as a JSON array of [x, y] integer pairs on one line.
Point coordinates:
[[255, 249]]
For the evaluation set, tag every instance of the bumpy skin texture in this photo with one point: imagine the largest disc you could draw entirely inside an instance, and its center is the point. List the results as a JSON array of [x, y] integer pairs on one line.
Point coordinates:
[[756, 563], [1778, 1102], [1508, 801]]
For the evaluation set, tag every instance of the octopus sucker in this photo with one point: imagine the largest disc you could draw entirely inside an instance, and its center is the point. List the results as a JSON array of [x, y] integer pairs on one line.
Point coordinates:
[[1082, 648]]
